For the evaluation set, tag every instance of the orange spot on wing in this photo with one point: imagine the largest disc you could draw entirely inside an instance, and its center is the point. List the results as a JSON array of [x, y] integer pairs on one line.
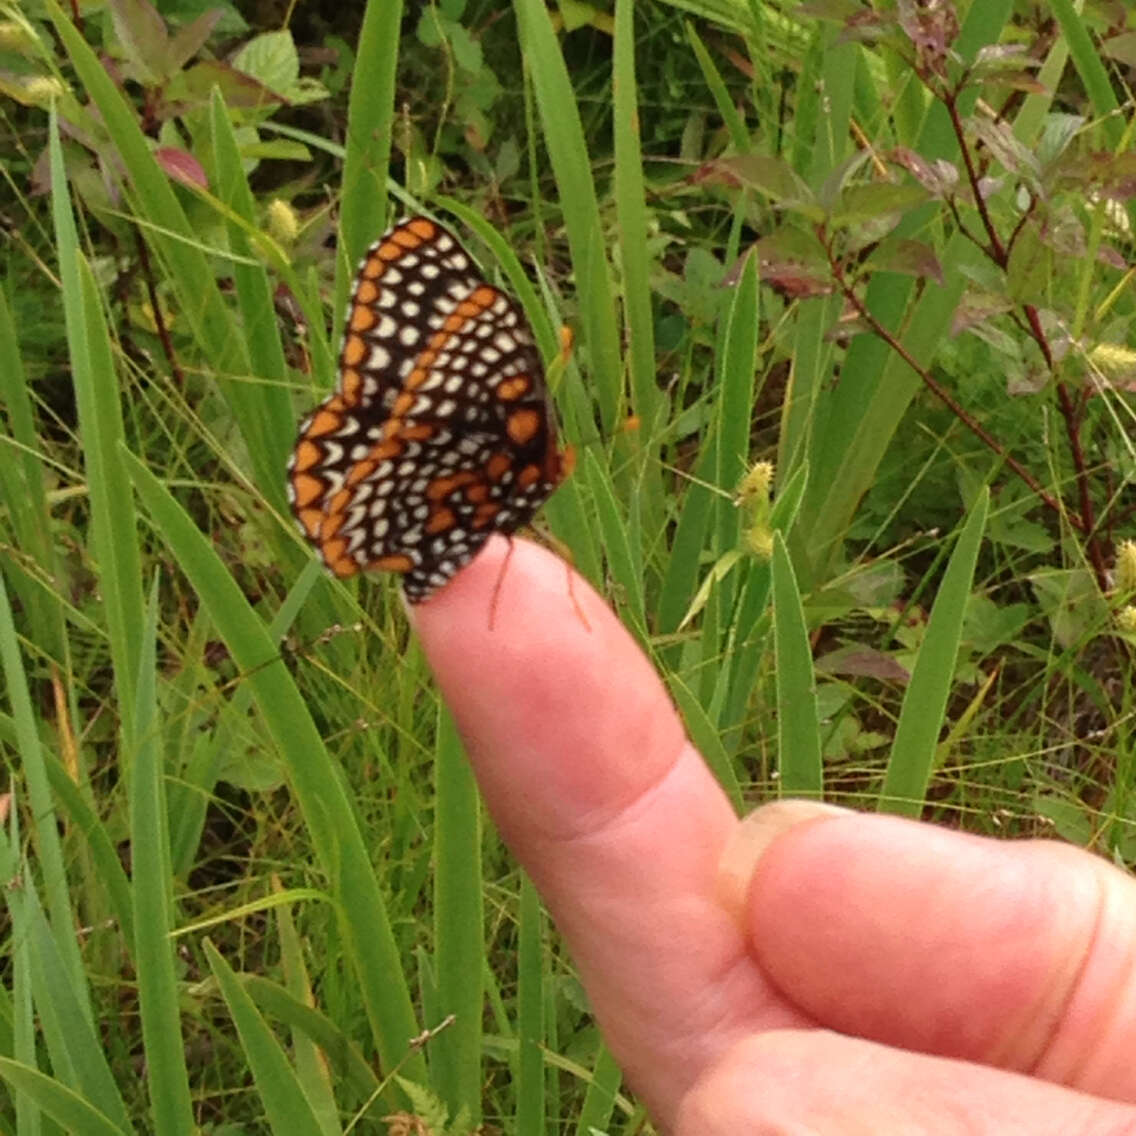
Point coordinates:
[[406, 237], [306, 489], [351, 384], [441, 487], [354, 351], [336, 558], [440, 520], [483, 515], [307, 454], [396, 562], [310, 519], [367, 292], [509, 390], [363, 318], [497, 466], [325, 422], [522, 426], [360, 471], [418, 432], [528, 476], [423, 227]]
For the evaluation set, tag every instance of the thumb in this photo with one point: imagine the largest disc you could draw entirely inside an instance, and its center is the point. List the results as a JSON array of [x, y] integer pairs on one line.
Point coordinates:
[[1013, 954]]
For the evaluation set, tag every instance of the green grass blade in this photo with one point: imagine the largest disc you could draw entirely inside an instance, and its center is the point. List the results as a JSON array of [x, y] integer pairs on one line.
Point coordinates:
[[47, 845], [287, 1108], [255, 299], [798, 726], [647, 401], [735, 124], [706, 738], [626, 568], [188, 269], [599, 1100], [347, 1064], [455, 1055], [883, 386], [318, 787], [735, 400], [69, 1110], [101, 848], [564, 138], [370, 108], [23, 495], [97, 399], [166, 1076], [530, 1076], [1094, 74], [73, 1045], [921, 718]]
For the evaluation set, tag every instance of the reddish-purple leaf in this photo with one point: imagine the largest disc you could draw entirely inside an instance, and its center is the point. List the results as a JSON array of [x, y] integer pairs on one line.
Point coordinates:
[[181, 166], [912, 258]]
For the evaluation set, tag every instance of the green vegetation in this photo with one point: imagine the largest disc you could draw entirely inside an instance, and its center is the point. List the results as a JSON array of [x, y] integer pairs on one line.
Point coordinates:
[[887, 248]]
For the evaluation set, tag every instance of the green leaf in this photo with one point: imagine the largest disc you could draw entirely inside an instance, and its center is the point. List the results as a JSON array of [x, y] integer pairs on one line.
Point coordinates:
[[925, 702], [270, 58]]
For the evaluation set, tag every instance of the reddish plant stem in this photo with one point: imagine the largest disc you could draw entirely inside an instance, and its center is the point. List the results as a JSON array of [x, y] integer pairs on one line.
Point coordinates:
[[999, 253], [996, 250], [942, 394], [159, 319]]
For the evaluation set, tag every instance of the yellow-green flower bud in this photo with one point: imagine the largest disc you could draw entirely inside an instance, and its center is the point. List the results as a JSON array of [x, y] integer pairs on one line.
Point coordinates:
[[283, 222], [1125, 574]]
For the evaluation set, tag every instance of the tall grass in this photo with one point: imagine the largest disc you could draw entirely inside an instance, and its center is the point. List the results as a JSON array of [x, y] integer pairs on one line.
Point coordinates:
[[231, 774]]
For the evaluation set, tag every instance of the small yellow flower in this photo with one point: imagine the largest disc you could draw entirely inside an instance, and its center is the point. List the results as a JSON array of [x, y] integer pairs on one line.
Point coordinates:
[[283, 222], [759, 542], [1126, 620], [17, 37], [753, 499], [755, 485], [1126, 566], [43, 90]]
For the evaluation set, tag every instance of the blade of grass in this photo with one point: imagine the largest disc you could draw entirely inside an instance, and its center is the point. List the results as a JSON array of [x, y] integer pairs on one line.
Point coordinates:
[[735, 124], [22, 488], [74, 1048], [319, 789], [564, 138], [798, 726], [166, 1078], [370, 107], [530, 1113], [340, 1052], [189, 271], [647, 401], [455, 1054], [920, 719], [254, 294], [623, 561], [287, 1109], [599, 1100], [47, 844], [98, 402], [69, 1110]]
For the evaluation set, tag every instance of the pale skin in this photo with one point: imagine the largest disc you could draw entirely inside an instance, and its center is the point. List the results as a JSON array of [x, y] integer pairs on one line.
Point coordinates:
[[804, 970]]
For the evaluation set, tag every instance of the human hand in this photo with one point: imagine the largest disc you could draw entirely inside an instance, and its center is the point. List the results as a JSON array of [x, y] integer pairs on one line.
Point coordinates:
[[805, 970]]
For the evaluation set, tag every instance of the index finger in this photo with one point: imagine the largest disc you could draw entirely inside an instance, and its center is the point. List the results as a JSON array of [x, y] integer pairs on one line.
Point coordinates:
[[587, 771]]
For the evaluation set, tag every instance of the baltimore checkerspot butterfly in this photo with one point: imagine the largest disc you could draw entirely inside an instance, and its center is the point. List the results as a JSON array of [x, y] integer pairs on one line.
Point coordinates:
[[441, 431]]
